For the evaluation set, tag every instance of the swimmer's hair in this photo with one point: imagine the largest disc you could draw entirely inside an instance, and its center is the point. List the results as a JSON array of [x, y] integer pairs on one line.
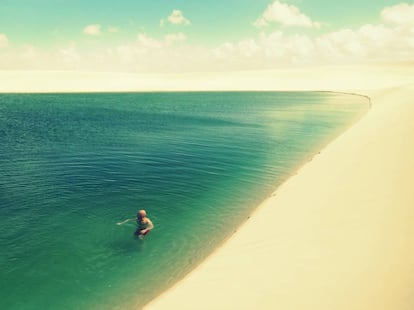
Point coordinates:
[[142, 213]]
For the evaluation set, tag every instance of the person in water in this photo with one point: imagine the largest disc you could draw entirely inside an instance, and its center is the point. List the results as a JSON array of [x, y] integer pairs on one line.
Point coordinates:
[[144, 224]]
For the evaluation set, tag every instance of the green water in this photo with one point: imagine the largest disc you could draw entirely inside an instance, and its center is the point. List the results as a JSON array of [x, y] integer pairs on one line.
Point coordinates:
[[72, 165]]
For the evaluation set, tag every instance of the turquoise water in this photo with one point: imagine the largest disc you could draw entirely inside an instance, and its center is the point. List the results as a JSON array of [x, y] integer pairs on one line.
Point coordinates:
[[72, 165]]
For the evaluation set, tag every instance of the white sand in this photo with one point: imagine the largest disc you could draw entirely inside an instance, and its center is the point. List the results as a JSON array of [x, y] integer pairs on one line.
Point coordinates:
[[338, 235]]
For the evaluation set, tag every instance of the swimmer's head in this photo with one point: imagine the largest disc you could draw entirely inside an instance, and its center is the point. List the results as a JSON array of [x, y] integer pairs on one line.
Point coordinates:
[[141, 213]]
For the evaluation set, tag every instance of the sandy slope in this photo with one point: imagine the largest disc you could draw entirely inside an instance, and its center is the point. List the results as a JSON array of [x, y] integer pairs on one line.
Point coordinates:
[[338, 235]]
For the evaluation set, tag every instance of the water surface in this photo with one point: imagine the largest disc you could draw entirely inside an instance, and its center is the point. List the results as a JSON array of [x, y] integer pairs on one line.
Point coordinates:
[[72, 165]]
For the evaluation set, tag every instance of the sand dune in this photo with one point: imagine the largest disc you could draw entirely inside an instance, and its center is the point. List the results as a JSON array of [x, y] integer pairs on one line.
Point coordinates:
[[338, 235]]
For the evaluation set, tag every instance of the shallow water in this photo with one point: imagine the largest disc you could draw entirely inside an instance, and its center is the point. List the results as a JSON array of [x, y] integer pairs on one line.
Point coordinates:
[[72, 165]]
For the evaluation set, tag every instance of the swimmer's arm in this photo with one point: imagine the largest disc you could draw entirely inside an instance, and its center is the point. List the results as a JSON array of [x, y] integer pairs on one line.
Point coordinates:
[[126, 221]]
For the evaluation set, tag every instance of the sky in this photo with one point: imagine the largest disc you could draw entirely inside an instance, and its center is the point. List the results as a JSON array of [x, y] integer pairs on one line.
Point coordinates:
[[173, 36], [71, 45]]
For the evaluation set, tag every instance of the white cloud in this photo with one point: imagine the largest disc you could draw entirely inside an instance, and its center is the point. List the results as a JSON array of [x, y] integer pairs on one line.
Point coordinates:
[[70, 56], [93, 30], [147, 42], [176, 18], [366, 44], [113, 29], [4, 41], [152, 54], [375, 33], [286, 15], [175, 37], [400, 14]]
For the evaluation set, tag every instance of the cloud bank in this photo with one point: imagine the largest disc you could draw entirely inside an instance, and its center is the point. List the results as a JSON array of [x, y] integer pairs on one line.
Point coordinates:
[[391, 39]]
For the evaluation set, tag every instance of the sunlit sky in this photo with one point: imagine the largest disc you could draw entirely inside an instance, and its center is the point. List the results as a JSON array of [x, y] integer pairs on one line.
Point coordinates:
[[173, 36]]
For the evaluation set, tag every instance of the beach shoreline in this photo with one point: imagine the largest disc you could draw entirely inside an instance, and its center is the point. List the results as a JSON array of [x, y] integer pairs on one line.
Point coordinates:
[[312, 255]]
